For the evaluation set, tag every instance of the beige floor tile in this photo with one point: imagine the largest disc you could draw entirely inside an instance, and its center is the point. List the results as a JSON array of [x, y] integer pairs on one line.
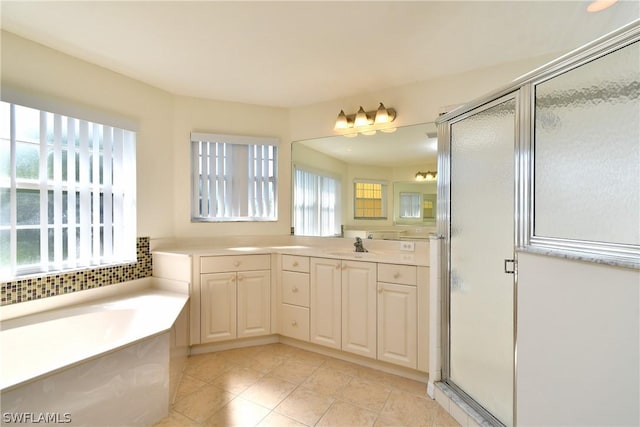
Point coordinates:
[[202, 403], [238, 412], [235, 353], [375, 375], [277, 420], [279, 349], [305, 406], [344, 414], [208, 368], [443, 419], [383, 422], [346, 368], [187, 386], [294, 371], [408, 409], [309, 357], [268, 391], [175, 419], [365, 394], [410, 386], [326, 381], [264, 361], [237, 379]]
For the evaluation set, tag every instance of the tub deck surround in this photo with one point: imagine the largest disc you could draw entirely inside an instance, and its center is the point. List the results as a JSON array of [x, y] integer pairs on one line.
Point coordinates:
[[383, 251], [43, 337]]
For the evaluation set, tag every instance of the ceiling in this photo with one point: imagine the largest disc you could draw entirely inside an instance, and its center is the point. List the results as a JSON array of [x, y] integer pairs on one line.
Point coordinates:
[[294, 53]]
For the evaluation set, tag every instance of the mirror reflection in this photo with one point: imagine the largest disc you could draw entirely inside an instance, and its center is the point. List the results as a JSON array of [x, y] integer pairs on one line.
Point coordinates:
[[381, 186]]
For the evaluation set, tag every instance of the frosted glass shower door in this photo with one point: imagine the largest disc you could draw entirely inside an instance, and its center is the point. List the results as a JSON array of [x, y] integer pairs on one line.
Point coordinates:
[[481, 338]]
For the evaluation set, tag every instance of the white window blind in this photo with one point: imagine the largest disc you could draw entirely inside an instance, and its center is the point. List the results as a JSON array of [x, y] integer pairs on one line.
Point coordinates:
[[67, 192], [410, 205], [234, 178], [317, 209]]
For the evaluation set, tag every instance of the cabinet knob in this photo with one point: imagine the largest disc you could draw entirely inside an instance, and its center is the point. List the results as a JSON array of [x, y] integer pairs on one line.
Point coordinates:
[[294, 323], [295, 263], [396, 275], [236, 263], [380, 290], [338, 266], [240, 278], [294, 289]]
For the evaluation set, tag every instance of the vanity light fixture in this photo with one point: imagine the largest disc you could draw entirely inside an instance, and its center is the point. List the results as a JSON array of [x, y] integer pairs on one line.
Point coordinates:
[[426, 176], [366, 122]]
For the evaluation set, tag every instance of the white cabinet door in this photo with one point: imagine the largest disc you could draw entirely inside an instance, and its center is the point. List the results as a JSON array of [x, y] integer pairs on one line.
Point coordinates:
[[359, 308], [218, 306], [254, 303], [397, 324], [325, 307]]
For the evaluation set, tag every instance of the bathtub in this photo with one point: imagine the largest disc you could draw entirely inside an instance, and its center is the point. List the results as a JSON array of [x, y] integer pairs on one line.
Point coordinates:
[[106, 357]]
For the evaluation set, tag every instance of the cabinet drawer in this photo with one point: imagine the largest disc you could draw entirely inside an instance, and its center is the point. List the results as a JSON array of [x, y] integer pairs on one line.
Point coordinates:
[[295, 263], [214, 264], [294, 322], [396, 273], [295, 288]]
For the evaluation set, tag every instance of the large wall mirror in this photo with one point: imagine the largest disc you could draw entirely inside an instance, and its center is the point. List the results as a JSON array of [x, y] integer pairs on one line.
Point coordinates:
[[380, 186]]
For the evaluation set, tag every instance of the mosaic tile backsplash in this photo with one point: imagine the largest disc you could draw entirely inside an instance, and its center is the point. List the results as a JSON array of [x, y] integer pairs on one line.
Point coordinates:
[[56, 284]]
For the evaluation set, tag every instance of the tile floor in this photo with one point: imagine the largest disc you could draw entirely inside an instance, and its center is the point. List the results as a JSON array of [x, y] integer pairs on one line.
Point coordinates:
[[280, 385]]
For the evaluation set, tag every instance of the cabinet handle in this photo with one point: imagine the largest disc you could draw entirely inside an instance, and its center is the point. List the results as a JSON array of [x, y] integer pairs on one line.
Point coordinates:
[[294, 323], [294, 289], [295, 263]]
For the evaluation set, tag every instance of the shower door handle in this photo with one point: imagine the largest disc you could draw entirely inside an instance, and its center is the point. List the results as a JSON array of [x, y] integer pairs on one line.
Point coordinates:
[[510, 266]]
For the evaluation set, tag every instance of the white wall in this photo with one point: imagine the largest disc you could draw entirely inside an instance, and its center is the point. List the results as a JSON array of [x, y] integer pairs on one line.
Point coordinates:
[[415, 103], [201, 115], [38, 70], [578, 343], [165, 122]]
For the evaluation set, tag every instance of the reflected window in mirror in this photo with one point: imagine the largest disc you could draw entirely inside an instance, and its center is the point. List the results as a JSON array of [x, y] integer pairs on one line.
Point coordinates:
[[410, 205], [370, 200], [317, 208]]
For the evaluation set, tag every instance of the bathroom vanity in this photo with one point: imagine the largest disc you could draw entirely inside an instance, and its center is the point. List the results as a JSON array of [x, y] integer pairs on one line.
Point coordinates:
[[370, 308]]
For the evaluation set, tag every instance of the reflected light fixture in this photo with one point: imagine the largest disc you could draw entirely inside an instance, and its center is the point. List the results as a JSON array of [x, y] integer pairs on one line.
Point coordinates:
[[599, 5], [426, 176], [366, 122]]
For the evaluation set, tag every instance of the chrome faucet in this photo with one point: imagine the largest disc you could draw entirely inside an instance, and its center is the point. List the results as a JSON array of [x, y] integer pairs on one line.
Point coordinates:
[[358, 245]]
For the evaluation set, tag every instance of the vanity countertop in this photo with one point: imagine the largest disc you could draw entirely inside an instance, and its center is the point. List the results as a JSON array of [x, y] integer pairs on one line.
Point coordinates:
[[337, 248]]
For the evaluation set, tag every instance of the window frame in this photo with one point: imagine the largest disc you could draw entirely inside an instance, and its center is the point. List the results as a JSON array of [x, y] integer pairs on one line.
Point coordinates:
[[101, 206], [603, 252], [239, 166], [384, 198]]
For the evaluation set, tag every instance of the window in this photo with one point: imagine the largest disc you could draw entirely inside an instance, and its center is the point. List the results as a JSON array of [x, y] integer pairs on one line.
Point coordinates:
[[370, 200], [67, 192], [585, 194], [316, 199], [234, 178], [410, 205]]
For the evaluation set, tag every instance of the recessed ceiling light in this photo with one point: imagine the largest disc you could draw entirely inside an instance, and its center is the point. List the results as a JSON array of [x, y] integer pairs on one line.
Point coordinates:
[[598, 5]]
